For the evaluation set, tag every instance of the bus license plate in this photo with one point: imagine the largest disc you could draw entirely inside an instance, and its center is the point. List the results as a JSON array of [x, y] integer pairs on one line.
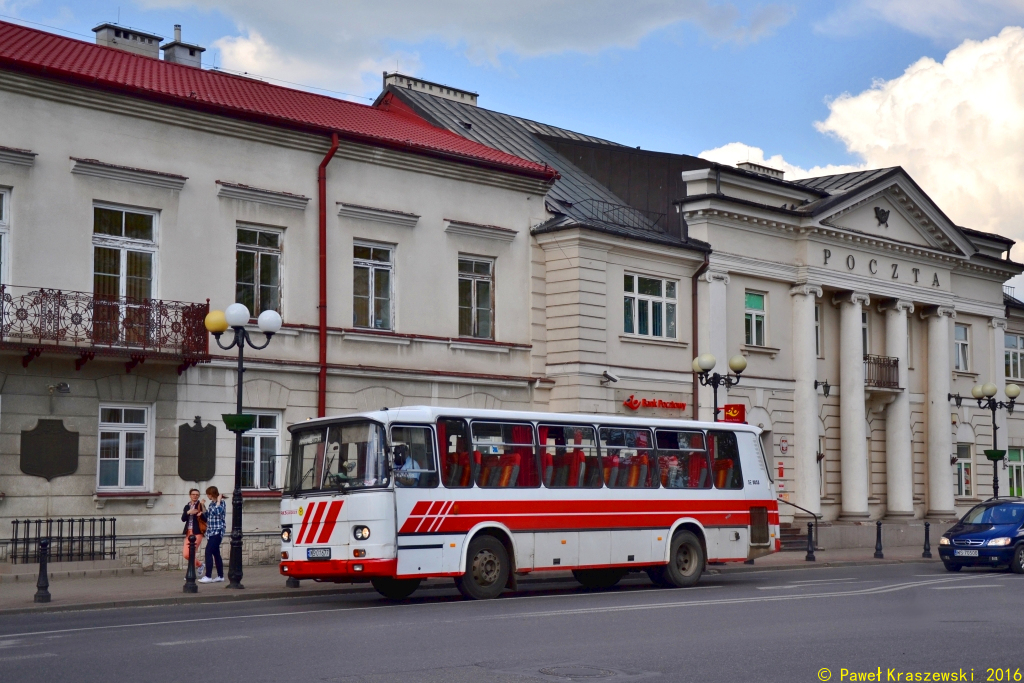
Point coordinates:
[[325, 553], [965, 553]]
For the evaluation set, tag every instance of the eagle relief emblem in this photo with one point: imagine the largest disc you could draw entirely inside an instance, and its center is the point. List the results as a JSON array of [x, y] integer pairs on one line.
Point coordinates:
[[882, 215]]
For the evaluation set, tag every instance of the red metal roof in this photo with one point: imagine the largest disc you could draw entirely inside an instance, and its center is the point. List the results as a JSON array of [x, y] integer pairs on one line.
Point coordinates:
[[49, 55]]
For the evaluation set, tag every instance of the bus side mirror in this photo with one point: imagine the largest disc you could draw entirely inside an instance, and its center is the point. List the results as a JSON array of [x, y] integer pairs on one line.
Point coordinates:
[[278, 471]]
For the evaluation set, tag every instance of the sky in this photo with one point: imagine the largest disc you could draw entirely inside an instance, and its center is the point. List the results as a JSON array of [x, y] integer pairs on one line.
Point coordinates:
[[808, 86]]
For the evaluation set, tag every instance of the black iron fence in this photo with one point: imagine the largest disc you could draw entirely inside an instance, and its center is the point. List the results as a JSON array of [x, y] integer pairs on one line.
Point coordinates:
[[882, 371], [85, 538]]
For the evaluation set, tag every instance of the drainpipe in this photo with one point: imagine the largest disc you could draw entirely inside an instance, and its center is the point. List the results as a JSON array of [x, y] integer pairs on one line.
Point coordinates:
[[693, 310], [321, 178]]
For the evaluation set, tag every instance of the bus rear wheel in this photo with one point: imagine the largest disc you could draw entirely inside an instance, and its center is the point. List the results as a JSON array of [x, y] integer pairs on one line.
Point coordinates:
[[598, 578], [486, 569], [394, 589], [685, 563]]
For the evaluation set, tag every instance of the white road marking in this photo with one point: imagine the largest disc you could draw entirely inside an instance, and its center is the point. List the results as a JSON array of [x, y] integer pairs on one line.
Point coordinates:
[[852, 578], [202, 640], [947, 588], [816, 585], [469, 603], [37, 656]]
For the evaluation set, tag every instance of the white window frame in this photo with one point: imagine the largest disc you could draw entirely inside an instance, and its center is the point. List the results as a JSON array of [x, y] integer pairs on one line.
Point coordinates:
[[962, 349], [121, 428], [259, 251], [1011, 354], [258, 433], [754, 314], [635, 297], [961, 490], [376, 265], [5, 236], [473, 277], [819, 346], [865, 331], [125, 244]]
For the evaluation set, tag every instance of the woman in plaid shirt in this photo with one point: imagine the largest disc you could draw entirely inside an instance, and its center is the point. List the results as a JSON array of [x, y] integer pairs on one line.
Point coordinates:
[[215, 528]]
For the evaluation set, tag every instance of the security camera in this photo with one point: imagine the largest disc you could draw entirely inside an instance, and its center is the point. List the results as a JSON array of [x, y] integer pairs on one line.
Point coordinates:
[[608, 377]]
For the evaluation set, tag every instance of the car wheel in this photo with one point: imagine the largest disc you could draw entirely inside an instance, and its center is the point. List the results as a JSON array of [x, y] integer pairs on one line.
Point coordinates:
[[598, 578], [487, 569], [685, 562], [394, 589], [950, 567], [1017, 564]]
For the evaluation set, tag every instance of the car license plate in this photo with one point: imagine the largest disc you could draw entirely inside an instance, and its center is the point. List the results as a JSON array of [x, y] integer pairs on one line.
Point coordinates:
[[965, 553], [325, 553]]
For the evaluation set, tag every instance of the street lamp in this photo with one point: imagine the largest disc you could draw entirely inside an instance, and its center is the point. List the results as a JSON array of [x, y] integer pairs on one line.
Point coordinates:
[[705, 363], [985, 395], [236, 316]]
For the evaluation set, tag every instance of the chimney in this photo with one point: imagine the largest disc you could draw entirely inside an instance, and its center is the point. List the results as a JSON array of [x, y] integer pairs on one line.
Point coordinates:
[[128, 39], [178, 52], [761, 169], [436, 89]]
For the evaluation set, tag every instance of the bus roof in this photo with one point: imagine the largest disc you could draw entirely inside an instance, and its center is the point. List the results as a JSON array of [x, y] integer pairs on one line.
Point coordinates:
[[430, 414]]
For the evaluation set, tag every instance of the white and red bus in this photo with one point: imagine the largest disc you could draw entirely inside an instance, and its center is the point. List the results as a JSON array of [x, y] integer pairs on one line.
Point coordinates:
[[484, 496]]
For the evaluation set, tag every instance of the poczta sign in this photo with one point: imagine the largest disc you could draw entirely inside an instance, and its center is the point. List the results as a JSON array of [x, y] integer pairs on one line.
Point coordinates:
[[734, 412], [892, 270], [634, 403]]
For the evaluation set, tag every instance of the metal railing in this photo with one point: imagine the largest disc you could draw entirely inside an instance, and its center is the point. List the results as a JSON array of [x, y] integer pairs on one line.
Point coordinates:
[[1008, 291], [52, 320], [85, 538], [882, 372]]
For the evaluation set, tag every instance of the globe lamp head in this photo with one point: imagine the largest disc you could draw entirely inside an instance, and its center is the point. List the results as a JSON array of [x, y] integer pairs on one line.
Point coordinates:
[[269, 322], [989, 390], [1012, 391], [738, 363], [216, 322], [237, 315], [706, 361], [977, 391]]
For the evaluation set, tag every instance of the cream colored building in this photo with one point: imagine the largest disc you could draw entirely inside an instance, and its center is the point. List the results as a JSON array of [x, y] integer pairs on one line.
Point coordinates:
[[472, 258]]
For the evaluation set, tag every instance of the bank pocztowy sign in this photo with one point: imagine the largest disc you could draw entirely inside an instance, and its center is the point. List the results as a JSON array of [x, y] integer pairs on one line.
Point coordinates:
[[634, 403]]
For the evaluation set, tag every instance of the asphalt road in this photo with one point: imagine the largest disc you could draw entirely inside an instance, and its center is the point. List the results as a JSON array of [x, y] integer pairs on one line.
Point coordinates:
[[757, 626]]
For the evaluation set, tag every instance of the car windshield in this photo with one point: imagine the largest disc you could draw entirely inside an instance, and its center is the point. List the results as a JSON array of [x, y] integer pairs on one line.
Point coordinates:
[[1002, 513], [338, 457]]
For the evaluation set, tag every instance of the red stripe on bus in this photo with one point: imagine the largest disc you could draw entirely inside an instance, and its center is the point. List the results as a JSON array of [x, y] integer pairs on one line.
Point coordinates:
[[314, 523], [305, 523], [330, 521]]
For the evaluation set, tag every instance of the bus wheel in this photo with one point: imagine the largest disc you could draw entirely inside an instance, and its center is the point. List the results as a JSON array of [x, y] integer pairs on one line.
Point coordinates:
[[598, 578], [486, 569], [394, 589], [685, 562]]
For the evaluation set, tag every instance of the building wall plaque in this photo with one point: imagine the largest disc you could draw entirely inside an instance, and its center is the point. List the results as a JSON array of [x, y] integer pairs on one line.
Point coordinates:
[[197, 451], [49, 450]]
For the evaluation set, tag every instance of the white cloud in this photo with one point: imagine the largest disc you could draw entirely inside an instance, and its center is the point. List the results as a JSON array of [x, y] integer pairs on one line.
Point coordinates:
[[736, 152], [335, 45], [956, 126], [943, 20]]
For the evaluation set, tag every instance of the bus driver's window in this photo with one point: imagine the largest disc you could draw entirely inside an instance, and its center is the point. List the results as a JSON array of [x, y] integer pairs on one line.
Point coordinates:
[[412, 451]]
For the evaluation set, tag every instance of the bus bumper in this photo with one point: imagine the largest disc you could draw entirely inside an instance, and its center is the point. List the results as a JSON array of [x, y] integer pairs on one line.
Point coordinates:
[[338, 570]]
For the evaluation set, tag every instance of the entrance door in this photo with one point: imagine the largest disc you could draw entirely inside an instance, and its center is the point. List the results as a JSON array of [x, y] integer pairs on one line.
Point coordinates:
[[1016, 472], [415, 471]]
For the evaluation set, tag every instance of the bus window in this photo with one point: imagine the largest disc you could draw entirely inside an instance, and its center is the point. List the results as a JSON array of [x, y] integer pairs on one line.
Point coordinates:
[[355, 456], [627, 458], [725, 460], [412, 451], [683, 460], [458, 466], [506, 455], [568, 457]]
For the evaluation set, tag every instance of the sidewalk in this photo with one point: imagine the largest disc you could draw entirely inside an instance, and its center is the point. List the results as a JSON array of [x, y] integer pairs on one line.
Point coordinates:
[[265, 582]]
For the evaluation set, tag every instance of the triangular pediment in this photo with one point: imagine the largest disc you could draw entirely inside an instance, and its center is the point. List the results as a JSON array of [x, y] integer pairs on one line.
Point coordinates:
[[898, 211]]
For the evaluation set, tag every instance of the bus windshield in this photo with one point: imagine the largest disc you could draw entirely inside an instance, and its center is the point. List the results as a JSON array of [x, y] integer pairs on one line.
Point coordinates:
[[340, 457]]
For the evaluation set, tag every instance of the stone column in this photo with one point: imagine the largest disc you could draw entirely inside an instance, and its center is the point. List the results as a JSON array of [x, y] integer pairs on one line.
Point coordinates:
[[713, 339], [805, 398], [940, 432], [998, 374], [899, 458], [852, 416]]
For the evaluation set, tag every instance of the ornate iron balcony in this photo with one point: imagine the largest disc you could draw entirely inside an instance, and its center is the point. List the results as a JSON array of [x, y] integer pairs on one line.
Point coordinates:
[[38, 320], [882, 372]]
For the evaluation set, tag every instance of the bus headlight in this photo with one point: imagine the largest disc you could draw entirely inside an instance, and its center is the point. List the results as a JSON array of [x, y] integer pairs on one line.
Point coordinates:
[[361, 532], [286, 534]]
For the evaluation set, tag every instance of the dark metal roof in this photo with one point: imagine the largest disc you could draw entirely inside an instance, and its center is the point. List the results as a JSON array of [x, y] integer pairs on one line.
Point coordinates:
[[844, 182], [573, 195]]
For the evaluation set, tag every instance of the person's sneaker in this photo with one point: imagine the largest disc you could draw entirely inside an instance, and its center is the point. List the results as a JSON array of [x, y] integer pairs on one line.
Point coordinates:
[[219, 578], [206, 579]]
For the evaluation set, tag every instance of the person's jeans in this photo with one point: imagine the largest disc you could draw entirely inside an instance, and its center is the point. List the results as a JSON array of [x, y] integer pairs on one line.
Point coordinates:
[[213, 555]]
